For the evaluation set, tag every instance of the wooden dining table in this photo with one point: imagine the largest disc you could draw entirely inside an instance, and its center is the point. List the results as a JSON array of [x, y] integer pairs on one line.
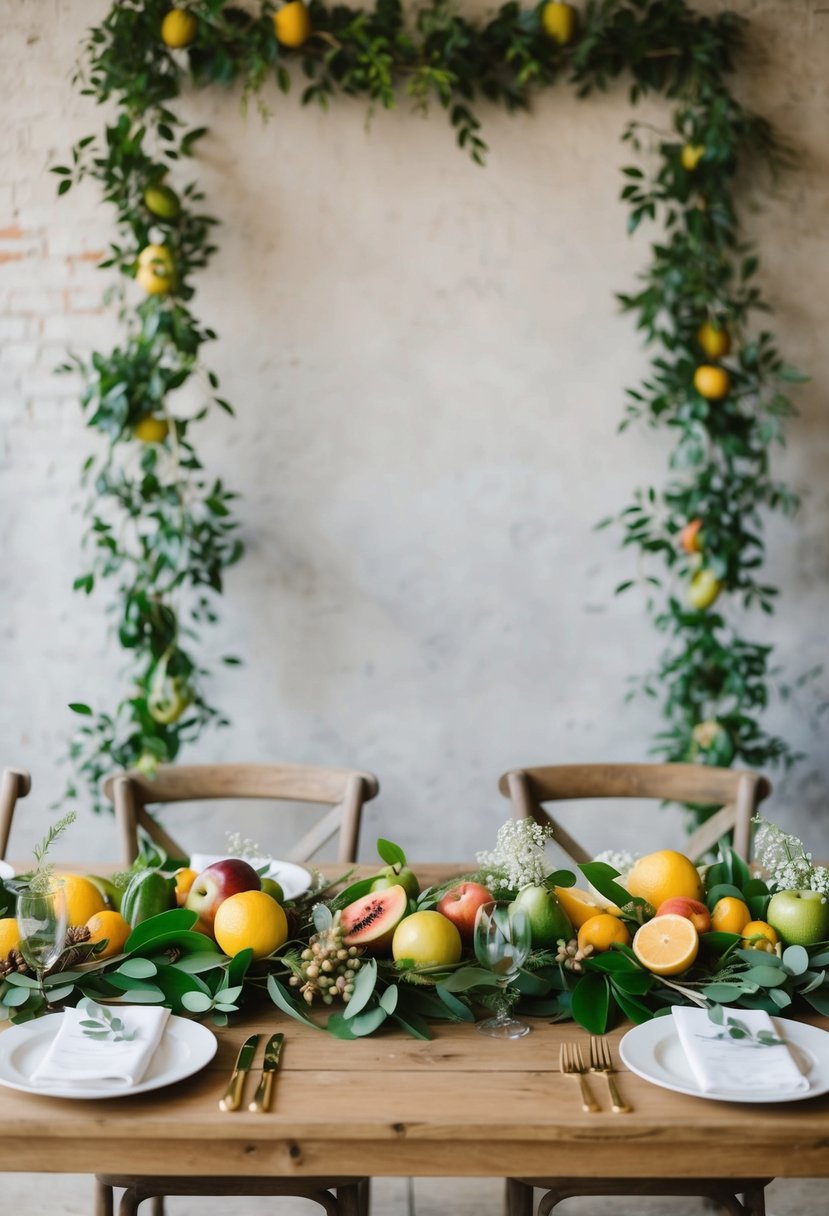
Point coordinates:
[[460, 1104]]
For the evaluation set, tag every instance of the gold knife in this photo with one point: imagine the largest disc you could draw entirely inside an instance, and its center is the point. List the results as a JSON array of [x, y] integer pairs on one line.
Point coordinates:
[[262, 1098], [233, 1094]]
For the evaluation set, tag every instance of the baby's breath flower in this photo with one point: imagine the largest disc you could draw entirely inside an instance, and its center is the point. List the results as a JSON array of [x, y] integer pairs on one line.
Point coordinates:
[[518, 858], [239, 846], [622, 861], [785, 860]]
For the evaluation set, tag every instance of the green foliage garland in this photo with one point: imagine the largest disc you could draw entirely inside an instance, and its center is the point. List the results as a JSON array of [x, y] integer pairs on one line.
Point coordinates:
[[163, 531]]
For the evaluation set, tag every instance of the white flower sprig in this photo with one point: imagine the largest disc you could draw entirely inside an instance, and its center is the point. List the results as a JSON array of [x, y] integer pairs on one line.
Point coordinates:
[[240, 846], [518, 859], [785, 860]]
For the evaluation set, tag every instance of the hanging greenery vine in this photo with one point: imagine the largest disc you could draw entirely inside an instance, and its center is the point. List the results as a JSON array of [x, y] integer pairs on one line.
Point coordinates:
[[162, 530]]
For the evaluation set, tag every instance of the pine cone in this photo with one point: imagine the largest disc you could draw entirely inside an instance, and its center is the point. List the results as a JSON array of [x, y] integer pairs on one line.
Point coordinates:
[[75, 935], [75, 948], [13, 962]]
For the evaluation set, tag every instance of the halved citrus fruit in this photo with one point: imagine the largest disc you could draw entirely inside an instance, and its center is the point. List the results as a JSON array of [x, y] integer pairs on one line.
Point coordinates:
[[666, 945], [579, 905]]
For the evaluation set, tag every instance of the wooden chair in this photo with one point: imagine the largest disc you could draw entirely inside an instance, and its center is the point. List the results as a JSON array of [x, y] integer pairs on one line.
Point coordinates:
[[344, 791], [737, 794], [15, 783]]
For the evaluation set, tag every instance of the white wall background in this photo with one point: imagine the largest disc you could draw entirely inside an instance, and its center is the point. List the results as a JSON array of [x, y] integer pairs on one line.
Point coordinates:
[[428, 367]]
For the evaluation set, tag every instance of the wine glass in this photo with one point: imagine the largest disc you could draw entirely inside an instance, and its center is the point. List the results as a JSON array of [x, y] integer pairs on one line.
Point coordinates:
[[502, 939], [41, 918]]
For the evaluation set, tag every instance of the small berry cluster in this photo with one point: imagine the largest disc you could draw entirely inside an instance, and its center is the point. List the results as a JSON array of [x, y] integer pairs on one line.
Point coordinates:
[[327, 967], [570, 956]]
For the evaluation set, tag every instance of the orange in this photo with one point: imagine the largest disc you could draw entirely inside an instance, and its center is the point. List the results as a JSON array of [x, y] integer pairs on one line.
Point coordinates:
[[185, 877], [759, 935], [714, 339], [712, 382], [559, 21], [151, 429], [579, 905], [250, 920], [110, 927], [292, 24], [9, 936], [602, 931], [664, 875], [730, 915], [689, 538], [83, 899], [691, 155], [703, 589], [667, 944], [178, 28]]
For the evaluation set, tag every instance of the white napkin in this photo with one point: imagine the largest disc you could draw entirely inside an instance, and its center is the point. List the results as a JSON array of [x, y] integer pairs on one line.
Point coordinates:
[[728, 1065], [74, 1058]]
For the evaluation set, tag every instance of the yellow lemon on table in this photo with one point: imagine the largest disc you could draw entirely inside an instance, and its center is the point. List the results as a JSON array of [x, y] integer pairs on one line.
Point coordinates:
[[110, 927], [250, 920], [691, 155], [666, 945], [559, 21], [151, 429], [664, 875], [178, 29], [602, 931], [730, 915], [712, 383], [9, 936], [715, 340], [83, 899], [292, 24]]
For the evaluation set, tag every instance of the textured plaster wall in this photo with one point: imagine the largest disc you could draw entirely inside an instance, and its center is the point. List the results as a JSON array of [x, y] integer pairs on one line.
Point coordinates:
[[428, 368]]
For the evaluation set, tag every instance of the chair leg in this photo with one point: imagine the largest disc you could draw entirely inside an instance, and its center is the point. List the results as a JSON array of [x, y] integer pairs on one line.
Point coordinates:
[[348, 1200], [103, 1199], [518, 1198], [158, 1205], [364, 1195], [754, 1201], [129, 1202]]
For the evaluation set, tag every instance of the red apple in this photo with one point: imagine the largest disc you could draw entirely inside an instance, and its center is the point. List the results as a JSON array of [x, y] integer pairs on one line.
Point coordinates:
[[461, 903], [691, 909], [215, 884]]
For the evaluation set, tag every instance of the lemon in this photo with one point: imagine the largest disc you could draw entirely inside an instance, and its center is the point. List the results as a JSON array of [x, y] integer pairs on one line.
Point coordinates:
[[178, 29], [666, 945], [715, 340], [292, 24], [162, 201], [150, 429], [83, 899], [250, 920], [602, 931], [559, 21], [155, 270], [691, 155], [664, 875], [730, 915], [759, 935], [9, 936], [703, 589], [711, 382]]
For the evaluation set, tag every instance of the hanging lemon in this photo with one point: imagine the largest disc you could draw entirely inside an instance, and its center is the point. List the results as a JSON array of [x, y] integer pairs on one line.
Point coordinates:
[[559, 21], [292, 24], [150, 429], [162, 202], [714, 339], [155, 270], [703, 589], [712, 383], [178, 29], [691, 155]]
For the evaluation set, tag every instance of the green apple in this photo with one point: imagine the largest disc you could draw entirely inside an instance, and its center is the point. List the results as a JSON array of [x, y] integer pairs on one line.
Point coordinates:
[[800, 917], [397, 876], [274, 889], [548, 920]]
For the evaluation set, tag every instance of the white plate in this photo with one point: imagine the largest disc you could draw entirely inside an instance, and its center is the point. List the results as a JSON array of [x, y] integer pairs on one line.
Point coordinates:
[[293, 879], [184, 1049], [653, 1051], [6, 871]]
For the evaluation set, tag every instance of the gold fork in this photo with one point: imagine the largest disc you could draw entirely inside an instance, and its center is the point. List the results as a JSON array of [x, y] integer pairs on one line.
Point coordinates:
[[572, 1061], [601, 1061]]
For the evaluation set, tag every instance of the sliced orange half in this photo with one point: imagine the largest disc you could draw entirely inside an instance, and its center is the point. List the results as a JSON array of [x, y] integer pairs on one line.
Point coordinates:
[[580, 905], [667, 944]]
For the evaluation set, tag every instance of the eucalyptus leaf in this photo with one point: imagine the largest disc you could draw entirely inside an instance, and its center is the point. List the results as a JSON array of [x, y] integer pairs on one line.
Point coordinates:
[[363, 988]]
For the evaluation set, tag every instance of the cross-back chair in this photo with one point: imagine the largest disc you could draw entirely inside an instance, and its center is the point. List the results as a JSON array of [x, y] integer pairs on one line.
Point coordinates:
[[737, 794], [14, 783], [344, 791]]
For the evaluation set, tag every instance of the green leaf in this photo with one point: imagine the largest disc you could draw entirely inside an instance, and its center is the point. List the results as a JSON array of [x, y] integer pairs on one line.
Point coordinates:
[[78, 707], [457, 1009], [196, 1002], [796, 960], [363, 988], [391, 853], [389, 999], [177, 920], [591, 1002], [365, 1023], [602, 876], [283, 999], [469, 977], [413, 1024], [137, 968]]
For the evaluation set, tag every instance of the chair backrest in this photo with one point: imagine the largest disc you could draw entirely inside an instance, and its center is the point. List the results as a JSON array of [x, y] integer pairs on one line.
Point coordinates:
[[344, 790], [737, 793], [14, 783]]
